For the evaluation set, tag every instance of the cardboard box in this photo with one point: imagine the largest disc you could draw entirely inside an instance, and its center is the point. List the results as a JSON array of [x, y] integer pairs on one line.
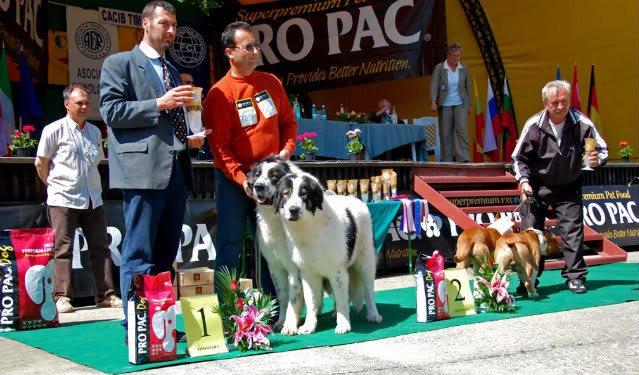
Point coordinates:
[[196, 276], [175, 293], [195, 290]]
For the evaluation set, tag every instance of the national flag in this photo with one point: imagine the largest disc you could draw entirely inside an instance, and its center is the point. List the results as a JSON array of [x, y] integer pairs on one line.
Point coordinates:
[[29, 105], [593, 107], [575, 102], [508, 124], [478, 153], [492, 121], [558, 73], [7, 117]]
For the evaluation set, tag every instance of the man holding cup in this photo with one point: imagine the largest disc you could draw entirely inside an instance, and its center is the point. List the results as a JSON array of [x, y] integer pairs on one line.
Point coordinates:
[[548, 164]]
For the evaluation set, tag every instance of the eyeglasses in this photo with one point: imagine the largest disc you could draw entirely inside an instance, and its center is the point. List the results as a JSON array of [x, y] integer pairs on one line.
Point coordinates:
[[250, 48]]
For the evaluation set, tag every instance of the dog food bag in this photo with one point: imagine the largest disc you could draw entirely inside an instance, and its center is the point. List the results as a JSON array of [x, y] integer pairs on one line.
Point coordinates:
[[352, 188], [151, 319], [27, 281], [364, 185], [432, 293], [376, 189], [341, 187], [331, 185]]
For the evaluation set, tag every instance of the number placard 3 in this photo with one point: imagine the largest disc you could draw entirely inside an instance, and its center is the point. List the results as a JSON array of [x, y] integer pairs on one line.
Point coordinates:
[[460, 298], [204, 333]]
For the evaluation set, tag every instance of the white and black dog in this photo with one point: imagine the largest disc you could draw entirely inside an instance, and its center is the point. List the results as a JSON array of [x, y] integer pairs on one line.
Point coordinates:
[[329, 237], [271, 240]]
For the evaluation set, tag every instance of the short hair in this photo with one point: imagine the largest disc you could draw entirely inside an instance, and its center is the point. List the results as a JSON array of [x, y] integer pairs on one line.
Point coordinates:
[[454, 47], [66, 93], [228, 35], [558, 84], [149, 9]]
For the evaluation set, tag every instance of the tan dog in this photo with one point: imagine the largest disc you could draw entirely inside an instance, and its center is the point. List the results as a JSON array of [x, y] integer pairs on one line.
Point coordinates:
[[479, 243], [525, 249]]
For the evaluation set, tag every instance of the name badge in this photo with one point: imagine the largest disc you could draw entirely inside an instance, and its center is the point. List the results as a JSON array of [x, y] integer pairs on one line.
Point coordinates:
[[264, 101], [443, 88], [246, 112], [92, 152]]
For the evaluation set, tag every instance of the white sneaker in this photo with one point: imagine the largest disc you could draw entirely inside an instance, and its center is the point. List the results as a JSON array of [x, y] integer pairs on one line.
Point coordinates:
[[63, 305], [111, 301]]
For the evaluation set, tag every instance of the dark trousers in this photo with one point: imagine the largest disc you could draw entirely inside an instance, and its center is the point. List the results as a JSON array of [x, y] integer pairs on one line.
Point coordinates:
[[234, 208], [153, 222], [93, 223], [567, 206]]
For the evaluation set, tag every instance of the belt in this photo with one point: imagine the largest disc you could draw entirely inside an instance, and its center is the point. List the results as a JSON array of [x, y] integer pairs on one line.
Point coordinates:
[[177, 155]]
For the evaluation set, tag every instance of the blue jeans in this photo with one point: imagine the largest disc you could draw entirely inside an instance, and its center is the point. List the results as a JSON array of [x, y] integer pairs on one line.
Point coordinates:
[[153, 223], [234, 208]]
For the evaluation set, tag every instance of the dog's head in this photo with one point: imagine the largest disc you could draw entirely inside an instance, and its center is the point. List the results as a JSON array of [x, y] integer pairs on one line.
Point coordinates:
[[265, 175], [298, 194], [503, 224], [552, 244]]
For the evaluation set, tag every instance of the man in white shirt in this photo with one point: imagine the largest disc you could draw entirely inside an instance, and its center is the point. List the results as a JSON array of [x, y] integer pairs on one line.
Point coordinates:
[[67, 162]]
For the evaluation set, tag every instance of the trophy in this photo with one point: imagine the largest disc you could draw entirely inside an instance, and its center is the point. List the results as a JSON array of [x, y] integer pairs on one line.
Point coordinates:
[[589, 146]]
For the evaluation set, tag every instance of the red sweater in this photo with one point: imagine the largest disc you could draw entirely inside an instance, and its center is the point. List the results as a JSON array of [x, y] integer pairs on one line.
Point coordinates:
[[234, 147]]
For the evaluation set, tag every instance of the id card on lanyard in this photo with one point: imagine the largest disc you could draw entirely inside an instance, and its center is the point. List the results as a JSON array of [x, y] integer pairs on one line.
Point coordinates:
[[265, 103], [246, 112]]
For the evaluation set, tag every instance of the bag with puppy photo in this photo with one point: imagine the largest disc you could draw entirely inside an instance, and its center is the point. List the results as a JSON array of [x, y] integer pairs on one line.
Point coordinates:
[[151, 319], [27, 281], [432, 293]]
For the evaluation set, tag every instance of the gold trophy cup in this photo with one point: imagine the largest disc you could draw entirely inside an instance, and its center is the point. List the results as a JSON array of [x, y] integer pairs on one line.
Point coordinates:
[[589, 146]]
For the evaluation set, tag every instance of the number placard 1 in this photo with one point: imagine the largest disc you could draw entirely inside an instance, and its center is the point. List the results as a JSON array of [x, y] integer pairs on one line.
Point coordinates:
[[204, 333], [460, 298]]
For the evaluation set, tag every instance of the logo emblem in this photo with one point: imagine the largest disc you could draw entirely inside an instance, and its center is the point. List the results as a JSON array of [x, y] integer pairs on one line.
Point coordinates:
[[189, 49], [93, 40]]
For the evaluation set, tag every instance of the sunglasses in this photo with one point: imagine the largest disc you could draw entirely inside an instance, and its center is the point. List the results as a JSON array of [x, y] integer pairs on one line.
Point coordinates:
[[250, 48]]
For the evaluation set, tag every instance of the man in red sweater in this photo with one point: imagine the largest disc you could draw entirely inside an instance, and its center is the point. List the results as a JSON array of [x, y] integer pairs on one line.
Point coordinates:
[[251, 117]]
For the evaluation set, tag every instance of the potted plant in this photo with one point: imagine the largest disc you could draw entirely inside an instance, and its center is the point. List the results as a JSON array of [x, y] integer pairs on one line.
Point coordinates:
[[354, 146], [625, 151], [352, 116], [22, 141], [307, 142]]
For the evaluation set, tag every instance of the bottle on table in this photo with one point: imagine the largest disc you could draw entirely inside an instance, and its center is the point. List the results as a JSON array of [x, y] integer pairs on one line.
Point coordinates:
[[341, 108], [314, 112], [323, 112], [297, 110], [388, 116], [394, 116]]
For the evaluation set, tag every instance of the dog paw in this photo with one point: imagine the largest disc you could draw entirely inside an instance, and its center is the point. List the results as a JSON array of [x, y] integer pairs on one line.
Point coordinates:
[[278, 325], [289, 331], [374, 318], [306, 329], [343, 328]]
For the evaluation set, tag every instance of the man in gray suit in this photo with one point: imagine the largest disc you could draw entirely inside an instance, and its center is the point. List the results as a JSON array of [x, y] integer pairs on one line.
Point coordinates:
[[450, 96], [142, 103]]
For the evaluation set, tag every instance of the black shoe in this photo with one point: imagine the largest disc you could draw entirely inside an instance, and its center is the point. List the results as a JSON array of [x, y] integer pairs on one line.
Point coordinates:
[[576, 286], [179, 335], [521, 288]]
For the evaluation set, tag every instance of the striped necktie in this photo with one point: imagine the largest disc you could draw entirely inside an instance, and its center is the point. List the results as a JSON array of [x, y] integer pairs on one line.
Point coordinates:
[[177, 114]]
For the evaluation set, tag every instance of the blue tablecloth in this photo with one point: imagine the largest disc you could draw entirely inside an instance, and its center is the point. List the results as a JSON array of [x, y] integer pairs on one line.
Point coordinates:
[[376, 138]]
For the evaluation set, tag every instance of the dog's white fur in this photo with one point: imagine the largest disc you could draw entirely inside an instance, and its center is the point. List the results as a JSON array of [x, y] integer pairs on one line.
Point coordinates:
[[271, 241], [317, 227]]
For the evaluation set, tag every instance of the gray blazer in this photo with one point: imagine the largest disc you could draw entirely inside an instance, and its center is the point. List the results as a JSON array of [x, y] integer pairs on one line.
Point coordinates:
[[140, 137], [439, 84]]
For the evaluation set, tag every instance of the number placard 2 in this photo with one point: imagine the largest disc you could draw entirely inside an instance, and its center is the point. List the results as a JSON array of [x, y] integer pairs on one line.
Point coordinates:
[[204, 333], [460, 298]]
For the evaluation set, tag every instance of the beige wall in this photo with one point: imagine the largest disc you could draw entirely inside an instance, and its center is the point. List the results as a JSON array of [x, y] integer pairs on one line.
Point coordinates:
[[533, 37]]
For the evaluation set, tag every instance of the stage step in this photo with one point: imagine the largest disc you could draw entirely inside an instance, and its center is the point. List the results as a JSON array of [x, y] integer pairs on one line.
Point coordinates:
[[479, 193], [488, 209], [466, 179]]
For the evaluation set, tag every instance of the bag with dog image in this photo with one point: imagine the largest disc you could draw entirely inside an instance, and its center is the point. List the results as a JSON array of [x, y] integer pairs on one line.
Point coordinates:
[[151, 322], [432, 293], [26, 279]]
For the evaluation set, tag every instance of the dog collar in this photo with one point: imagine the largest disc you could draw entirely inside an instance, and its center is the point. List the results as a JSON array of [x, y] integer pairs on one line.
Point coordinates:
[[542, 241]]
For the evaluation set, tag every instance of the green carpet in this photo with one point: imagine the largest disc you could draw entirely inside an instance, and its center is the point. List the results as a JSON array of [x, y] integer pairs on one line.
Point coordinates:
[[99, 344]]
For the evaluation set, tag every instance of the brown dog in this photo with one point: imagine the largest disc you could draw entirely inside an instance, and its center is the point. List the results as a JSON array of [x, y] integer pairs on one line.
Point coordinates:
[[525, 249], [479, 243]]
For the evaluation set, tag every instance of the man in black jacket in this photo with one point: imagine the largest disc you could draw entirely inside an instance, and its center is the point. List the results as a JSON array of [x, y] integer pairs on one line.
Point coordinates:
[[547, 163]]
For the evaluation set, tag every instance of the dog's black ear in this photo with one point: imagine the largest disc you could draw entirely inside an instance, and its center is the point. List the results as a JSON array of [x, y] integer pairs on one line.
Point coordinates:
[[315, 195]]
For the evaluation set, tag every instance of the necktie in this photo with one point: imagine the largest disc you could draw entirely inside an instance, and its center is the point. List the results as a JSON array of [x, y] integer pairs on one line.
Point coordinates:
[[177, 114]]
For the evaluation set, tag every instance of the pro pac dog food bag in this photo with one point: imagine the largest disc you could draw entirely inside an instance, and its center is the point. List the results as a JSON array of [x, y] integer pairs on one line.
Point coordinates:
[[26, 279], [432, 293], [151, 319]]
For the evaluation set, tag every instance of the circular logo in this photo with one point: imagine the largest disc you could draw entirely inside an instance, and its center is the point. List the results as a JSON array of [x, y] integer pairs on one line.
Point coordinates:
[[427, 37], [189, 49], [93, 40]]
